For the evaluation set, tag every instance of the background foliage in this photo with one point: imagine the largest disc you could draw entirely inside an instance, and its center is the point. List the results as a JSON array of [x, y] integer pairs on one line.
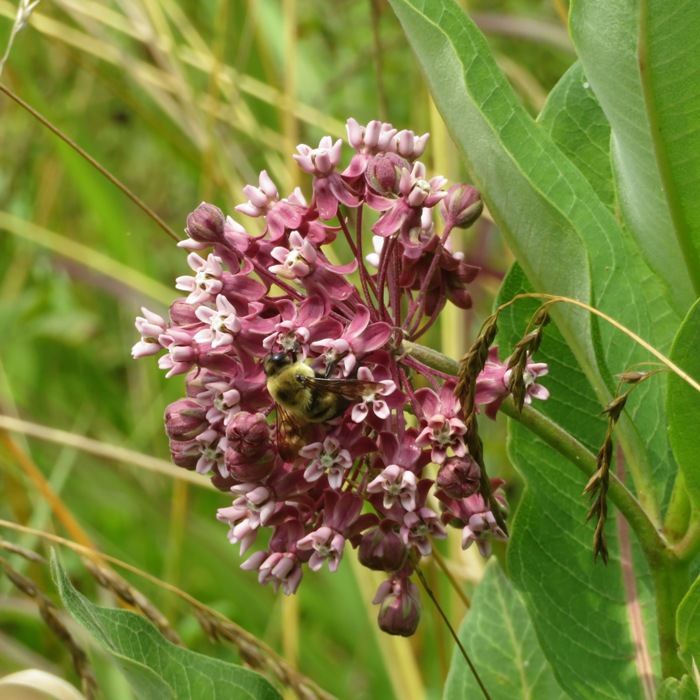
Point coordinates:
[[184, 102]]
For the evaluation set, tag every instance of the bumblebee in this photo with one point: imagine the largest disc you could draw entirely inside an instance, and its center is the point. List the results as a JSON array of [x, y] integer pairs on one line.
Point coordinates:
[[305, 397]]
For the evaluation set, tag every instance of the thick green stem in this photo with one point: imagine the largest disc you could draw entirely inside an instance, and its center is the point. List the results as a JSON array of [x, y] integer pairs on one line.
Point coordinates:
[[564, 443], [671, 582], [678, 512]]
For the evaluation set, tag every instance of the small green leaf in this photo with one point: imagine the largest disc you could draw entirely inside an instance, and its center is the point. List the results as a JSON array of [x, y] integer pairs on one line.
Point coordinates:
[[153, 666], [684, 403], [674, 689], [688, 626], [501, 643]]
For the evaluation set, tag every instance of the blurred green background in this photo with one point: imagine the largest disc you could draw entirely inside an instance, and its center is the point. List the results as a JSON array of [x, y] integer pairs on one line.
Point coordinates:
[[184, 102]]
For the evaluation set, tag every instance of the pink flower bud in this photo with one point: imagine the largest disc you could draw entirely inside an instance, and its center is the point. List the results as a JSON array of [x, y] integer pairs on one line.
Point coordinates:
[[400, 609], [248, 434], [247, 470], [181, 313], [185, 454], [185, 419], [462, 206], [459, 477], [381, 549], [383, 172], [206, 224]]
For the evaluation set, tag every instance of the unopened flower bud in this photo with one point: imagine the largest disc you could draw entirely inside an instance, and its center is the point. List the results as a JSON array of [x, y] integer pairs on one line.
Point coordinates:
[[459, 477], [383, 172], [248, 434], [247, 470], [185, 454], [181, 313], [206, 224], [382, 549], [462, 206], [400, 609], [185, 419]]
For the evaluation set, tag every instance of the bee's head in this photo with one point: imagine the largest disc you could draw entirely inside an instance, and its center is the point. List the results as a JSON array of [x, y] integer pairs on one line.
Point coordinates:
[[275, 363]]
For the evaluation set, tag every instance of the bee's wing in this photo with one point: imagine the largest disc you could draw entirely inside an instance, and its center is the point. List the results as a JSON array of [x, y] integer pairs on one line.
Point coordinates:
[[351, 389], [291, 434]]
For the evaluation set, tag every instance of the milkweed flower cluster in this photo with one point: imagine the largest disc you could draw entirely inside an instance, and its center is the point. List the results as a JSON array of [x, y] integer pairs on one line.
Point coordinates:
[[361, 479]]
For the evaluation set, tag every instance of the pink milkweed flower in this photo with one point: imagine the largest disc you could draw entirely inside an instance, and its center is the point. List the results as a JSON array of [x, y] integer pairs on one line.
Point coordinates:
[[150, 326], [206, 283], [297, 261], [367, 141], [358, 339], [328, 547], [213, 449], [443, 429], [493, 383], [182, 351], [481, 524], [406, 144], [280, 214], [396, 484], [283, 570], [374, 400], [329, 188], [326, 458], [415, 193], [299, 324], [419, 526], [224, 323]]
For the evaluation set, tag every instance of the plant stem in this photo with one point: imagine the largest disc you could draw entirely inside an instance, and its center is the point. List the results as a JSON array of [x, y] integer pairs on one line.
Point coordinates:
[[671, 582], [566, 445]]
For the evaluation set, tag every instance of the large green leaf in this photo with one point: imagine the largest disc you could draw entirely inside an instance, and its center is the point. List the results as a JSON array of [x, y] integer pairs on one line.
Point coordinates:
[[155, 667], [501, 643], [584, 613], [684, 403], [654, 119]]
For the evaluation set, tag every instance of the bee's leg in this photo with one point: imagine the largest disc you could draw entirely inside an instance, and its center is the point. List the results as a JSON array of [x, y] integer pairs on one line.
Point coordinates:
[[330, 367]]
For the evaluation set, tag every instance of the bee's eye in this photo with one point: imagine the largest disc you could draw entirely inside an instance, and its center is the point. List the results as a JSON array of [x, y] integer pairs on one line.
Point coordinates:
[[280, 359]]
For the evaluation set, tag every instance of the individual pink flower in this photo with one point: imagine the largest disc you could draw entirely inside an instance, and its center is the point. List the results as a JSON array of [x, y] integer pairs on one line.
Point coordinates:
[[443, 427], [206, 283], [282, 570], [419, 527], [493, 383], [327, 545], [396, 484], [326, 458], [182, 351], [223, 323], [299, 324], [279, 214], [151, 326], [406, 144], [358, 339], [373, 400], [296, 261], [213, 447], [329, 188], [416, 192]]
